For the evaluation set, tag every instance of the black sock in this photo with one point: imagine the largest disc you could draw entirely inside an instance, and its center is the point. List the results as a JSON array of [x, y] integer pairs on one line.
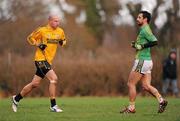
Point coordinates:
[[53, 102], [18, 97]]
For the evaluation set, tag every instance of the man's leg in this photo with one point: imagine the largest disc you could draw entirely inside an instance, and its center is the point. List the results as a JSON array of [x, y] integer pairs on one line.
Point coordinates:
[[134, 77], [52, 90], [175, 87], [146, 82], [165, 86], [26, 90]]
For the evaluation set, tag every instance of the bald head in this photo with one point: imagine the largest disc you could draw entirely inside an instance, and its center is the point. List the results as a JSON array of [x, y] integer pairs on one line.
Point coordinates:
[[53, 21], [52, 16]]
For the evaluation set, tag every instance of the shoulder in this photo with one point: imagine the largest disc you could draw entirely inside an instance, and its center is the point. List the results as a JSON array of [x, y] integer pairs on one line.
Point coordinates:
[[40, 29], [147, 30], [43, 28], [60, 29]]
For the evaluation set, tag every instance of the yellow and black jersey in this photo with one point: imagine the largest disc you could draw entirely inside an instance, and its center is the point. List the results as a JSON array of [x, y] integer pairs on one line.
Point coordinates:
[[50, 37]]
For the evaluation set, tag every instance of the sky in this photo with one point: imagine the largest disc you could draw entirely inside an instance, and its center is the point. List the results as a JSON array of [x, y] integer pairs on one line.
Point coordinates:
[[122, 18]]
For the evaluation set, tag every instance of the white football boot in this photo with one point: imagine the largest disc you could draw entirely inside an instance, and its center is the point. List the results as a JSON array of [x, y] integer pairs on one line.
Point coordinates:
[[56, 109], [14, 104]]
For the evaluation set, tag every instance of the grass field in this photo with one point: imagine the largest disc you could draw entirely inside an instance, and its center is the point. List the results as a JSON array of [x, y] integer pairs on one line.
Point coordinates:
[[89, 109]]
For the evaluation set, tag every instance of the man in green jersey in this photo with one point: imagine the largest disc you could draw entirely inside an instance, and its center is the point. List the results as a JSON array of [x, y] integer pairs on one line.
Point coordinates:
[[141, 70]]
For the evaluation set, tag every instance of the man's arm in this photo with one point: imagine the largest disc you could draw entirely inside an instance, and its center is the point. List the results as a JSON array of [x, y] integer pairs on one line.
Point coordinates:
[[34, 37], [151, 41], [150, 44], [142, 46], [63, 40], [165, 68]]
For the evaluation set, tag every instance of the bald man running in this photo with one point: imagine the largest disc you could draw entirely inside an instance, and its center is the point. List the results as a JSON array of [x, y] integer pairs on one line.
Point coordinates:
[[45, 40]]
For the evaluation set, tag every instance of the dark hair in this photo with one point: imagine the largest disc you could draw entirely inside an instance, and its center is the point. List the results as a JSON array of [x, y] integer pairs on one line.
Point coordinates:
[[147, 15]]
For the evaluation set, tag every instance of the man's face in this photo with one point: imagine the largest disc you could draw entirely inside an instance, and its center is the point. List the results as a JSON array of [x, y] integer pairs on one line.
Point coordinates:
[[173, 56], [140, 20], [54, 22]]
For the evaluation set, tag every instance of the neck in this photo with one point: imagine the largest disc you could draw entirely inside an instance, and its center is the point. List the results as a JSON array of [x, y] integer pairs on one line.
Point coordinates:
[[52, 27], [144, 24]]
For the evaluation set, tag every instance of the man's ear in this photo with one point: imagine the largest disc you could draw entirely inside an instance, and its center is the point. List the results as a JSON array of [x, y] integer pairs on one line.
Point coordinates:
[[145, 20]]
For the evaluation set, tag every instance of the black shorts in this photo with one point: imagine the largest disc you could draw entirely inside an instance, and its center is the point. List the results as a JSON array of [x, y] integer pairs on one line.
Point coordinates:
[[42, 68]]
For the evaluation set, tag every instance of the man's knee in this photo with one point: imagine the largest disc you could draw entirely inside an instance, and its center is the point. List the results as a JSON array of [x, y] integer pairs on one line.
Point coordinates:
[[130, 84], [146, 87], [53, 80]]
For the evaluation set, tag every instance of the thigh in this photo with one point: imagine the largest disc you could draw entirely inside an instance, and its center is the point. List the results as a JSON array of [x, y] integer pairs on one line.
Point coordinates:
[[36, 79], [166, 82], [51, 75], [146, 79], [174, 82], [134, 77]]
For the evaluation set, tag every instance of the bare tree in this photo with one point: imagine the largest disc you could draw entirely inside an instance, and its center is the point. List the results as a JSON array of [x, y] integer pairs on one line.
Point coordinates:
[[166, 33]]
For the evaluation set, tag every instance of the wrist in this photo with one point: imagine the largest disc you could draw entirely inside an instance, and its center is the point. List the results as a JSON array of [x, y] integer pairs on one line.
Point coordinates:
[[62, 42], [138, 46], [42, 46]]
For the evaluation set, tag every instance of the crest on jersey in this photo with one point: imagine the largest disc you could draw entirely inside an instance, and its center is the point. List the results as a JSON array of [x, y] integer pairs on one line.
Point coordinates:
[[48, 36], [57, 36]]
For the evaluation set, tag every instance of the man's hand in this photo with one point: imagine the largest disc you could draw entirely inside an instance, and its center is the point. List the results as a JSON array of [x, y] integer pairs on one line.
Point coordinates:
[[42, 46], [62, 42], [136, 46]]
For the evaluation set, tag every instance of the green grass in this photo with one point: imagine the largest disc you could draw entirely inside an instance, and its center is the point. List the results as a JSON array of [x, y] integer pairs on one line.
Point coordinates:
[[89, 109]]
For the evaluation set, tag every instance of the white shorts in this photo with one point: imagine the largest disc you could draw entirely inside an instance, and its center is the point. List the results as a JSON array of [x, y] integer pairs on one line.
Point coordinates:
[[142, 66]]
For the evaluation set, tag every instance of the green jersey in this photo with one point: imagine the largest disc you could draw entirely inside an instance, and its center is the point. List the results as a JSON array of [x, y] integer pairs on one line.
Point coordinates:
[[145, 36]]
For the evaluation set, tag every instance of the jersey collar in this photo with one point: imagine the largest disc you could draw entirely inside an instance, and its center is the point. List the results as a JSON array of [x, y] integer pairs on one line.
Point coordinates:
[[50, 28], [144, 26]]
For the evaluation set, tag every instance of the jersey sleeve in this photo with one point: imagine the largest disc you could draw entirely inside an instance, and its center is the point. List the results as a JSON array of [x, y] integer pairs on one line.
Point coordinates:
[[34, 37], [149, 36], [63, 38]]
